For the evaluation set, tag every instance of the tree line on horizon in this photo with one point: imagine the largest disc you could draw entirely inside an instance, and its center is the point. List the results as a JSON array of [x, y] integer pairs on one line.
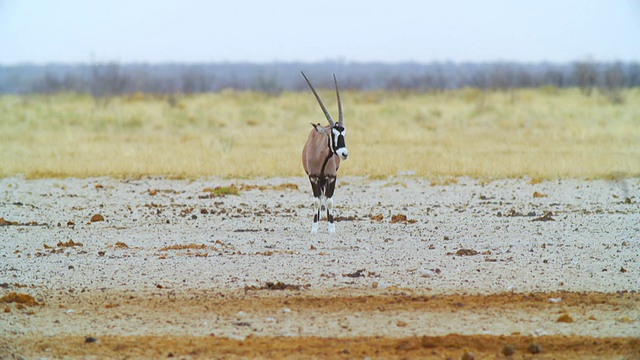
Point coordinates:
[[113, 78]]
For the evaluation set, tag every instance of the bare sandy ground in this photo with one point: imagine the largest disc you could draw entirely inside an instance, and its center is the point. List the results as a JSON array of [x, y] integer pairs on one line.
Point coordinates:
[[462, 269]]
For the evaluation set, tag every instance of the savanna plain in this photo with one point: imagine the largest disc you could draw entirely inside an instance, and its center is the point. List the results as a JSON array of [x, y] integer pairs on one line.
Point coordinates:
[[470, 224]]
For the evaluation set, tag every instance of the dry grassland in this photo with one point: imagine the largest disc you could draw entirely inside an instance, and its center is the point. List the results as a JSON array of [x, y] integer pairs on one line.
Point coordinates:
[[541, 134]]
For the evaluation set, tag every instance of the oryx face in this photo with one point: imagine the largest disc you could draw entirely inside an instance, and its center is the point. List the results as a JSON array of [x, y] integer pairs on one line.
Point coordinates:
[[338, 134]]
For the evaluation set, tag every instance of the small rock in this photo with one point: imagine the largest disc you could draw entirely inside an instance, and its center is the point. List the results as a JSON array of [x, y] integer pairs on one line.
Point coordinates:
[[241, 314], [466, 252], [90, 339], [236, 337], [429, 272], [508, 350], [97, 217], [565, 318], [534, 348], [401, 323], [468, 356], [546, 217], [398, 218]]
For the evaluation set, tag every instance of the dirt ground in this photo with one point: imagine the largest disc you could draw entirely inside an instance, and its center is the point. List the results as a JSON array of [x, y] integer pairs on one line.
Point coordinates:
[[461, 269]]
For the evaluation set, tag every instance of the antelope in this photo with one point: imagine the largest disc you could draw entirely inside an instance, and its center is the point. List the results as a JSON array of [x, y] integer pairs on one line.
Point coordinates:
[[321, 158]]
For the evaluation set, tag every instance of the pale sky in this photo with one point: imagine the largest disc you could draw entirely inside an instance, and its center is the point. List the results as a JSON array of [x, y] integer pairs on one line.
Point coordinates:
[[45, 31]]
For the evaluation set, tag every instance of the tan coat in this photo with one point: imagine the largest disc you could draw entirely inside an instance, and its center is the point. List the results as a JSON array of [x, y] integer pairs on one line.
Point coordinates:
[[315, 153]]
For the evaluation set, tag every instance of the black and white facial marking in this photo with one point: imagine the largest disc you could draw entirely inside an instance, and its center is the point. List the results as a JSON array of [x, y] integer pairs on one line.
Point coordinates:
[[338, 133]]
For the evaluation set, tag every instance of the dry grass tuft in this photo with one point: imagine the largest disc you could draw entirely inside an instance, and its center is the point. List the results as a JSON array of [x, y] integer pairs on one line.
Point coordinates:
[[534, 133]]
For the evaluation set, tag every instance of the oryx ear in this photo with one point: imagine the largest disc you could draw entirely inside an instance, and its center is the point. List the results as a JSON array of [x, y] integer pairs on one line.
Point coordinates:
[[319, 128]]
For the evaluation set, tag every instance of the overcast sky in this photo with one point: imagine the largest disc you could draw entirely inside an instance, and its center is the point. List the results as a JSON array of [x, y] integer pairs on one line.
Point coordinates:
[[44, 31]]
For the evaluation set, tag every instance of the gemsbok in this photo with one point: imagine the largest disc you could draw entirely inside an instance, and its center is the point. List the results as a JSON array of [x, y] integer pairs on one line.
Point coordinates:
[[321, 159]]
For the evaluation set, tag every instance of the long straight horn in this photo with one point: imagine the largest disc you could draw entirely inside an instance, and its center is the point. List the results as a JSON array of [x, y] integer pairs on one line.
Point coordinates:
[[324, 108], [340, 115]]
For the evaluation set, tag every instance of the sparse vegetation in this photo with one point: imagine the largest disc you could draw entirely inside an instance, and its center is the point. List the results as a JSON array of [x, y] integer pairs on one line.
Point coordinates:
[[535, 133], [223, 190]]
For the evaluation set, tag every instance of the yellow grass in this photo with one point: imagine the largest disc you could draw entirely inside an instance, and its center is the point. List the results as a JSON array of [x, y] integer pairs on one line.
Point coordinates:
[[534, 133]]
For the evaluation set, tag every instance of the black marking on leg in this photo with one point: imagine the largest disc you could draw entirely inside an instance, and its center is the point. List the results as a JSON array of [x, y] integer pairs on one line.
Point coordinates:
[[331, 186], [316, 217], [316, 186]]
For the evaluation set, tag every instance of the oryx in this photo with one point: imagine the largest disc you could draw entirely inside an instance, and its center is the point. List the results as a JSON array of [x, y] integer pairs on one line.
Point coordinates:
[[321, 158]]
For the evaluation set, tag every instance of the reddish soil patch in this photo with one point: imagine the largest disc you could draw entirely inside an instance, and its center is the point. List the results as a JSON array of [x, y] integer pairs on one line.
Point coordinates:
[[162, 307]]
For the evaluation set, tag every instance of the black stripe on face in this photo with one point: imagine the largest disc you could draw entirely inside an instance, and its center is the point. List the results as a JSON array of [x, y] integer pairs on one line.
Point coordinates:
[[337, 135]]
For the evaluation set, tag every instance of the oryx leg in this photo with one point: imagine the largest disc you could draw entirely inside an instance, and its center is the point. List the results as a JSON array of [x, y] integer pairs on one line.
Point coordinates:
[[331, 186], [317, 193]]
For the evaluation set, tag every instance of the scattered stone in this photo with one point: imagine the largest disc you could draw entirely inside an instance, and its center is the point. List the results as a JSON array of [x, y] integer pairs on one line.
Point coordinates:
[[565, 318], [90, 339], [241, 323], [398, 218], [236, 337], [546, 217], [401, 323], [356, 274], [508, 350], [277, 286], [97, 217], [430, 272], [378, 217], [468, 356], [534, 348], [466, 252], [4, 222], [69, 243], [539, 195]]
